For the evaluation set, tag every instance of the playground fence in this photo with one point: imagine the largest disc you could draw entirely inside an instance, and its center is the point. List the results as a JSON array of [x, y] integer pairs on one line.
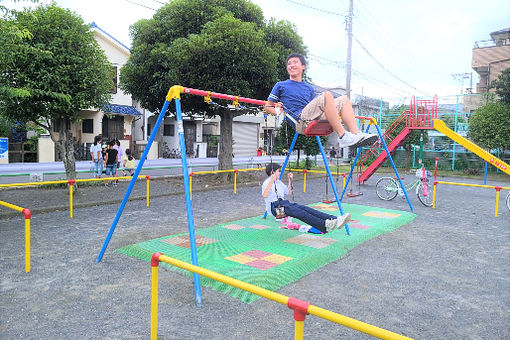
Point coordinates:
[[235, 171], [71, 183], [28, 217], [497, 188], [301, 308]]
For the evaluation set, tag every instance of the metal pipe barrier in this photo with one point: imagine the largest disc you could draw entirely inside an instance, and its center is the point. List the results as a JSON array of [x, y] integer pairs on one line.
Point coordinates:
[[71, 183], [235, 171], [28, 217], [301, 308], [497, 188]]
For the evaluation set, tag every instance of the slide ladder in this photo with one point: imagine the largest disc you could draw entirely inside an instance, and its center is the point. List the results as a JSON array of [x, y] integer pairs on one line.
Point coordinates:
[[420, 116], [440, 126]]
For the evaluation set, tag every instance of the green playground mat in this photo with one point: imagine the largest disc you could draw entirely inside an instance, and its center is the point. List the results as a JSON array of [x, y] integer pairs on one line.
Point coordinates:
[[258, 251]]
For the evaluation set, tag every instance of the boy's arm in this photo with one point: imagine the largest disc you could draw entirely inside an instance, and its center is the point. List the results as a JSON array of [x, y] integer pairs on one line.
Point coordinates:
[[268, 187], [271, 107]]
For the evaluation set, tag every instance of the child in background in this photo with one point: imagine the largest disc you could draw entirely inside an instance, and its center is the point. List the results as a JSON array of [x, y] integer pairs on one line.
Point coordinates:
[[128, 163], [110, 161], [274, 191]]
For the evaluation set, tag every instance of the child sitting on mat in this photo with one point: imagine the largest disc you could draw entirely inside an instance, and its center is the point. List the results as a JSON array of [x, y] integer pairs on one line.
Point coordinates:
[[274, 191], [297, 98]]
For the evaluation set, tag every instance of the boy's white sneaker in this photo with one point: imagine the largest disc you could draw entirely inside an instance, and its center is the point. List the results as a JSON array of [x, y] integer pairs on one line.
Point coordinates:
[[342, 220], [330, 225], [368, 139], [349, 139], [357, 140]]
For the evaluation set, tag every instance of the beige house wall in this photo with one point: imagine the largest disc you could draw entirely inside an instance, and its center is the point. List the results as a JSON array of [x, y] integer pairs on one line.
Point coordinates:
[[45, 149]]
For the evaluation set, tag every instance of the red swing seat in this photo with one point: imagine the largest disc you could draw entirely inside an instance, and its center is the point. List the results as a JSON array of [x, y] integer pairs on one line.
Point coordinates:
[[318, 128]]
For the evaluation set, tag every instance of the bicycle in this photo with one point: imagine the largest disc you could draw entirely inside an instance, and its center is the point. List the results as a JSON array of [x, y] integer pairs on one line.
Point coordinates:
[[388, 188]]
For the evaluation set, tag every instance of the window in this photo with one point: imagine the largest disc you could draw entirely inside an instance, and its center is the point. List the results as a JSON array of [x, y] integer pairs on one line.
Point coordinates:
[[87, 126], [168, 130], [114, 89]]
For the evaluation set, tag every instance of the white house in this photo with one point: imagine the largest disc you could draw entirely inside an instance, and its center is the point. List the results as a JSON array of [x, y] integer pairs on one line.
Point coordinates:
[[114, 121]]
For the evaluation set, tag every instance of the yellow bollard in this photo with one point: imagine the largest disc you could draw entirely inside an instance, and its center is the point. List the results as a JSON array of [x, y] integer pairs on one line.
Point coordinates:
[[298, 329], [434, 196], [497, 201], [191, 186], [304, 181], [28, 216], [235, 181], [154, 296], [71, 186], [148, 188]]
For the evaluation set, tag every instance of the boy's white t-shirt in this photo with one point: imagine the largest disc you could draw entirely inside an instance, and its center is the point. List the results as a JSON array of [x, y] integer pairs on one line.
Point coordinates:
[[274, 195], [94, 149]]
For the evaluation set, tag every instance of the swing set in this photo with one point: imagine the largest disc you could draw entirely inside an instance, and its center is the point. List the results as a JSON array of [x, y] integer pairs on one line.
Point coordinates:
[[315, 128]]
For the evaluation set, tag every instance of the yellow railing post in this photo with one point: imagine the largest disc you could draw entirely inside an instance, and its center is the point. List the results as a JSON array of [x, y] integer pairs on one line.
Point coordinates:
[[28, 216], [154, 296], [304, 180], [301, 308], [343, 182], [498, 189], [191, 186], [235, 181], [71, 186], [148, 188], [434, 196]]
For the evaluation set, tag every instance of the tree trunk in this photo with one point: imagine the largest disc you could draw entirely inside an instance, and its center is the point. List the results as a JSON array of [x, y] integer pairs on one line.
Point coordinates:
[[298, 156], [64, 143], [225, 155]]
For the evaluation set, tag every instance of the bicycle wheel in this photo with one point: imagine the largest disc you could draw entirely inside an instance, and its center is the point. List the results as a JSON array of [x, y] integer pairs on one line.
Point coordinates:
[[508, 201], [425, 200], [386, 188]]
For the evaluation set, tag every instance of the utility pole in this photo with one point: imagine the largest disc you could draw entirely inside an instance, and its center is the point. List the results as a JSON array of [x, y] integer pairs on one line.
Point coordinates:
[[348, 63]]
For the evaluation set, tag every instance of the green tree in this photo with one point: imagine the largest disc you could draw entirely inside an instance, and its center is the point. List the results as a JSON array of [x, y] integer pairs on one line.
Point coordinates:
[[59, 71], [306, 144], [489, 126], [502, 86], [218, 45]]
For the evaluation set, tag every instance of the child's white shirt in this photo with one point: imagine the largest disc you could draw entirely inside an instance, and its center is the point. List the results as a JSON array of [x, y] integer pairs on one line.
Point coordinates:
[[274, 195]]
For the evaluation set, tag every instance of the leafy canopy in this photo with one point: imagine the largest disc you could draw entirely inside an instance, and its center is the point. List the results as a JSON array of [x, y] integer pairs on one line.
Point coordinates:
[[502, 86], [489, 126], [218, 45], [56, 70]]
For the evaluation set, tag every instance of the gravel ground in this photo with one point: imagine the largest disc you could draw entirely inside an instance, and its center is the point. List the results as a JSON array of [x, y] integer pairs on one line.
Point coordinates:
[[443, 276]]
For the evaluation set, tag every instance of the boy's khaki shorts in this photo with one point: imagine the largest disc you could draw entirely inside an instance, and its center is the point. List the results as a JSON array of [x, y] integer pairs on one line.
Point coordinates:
[[314, 110]]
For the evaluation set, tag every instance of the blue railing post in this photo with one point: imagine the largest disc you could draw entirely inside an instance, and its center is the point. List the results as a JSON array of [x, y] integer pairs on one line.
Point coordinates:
[[133, 180], [394, 167], [331, 181], [189, 207]]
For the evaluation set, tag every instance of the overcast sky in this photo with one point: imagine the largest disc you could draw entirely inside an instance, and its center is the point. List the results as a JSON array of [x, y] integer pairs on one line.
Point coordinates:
[[415, 46]]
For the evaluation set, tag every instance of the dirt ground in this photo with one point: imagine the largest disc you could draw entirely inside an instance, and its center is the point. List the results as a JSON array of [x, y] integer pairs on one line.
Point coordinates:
[[443, 276]]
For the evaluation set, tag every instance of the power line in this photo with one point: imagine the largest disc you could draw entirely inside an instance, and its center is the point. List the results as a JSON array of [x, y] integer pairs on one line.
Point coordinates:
[[136, 3], [384, 68], [339, 64], [316, 9]]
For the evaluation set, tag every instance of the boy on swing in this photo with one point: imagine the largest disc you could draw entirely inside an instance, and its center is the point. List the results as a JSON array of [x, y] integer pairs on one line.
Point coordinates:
[[274, 191], [297, 98]]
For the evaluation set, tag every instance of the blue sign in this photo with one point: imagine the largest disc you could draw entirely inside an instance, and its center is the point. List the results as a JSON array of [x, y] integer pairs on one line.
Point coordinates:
[[4, 148]]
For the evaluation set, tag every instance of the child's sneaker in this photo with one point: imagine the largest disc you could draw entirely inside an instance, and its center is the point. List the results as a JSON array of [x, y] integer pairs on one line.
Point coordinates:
[[330, 225], [342, 220], [349, 139], [368, 139]]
